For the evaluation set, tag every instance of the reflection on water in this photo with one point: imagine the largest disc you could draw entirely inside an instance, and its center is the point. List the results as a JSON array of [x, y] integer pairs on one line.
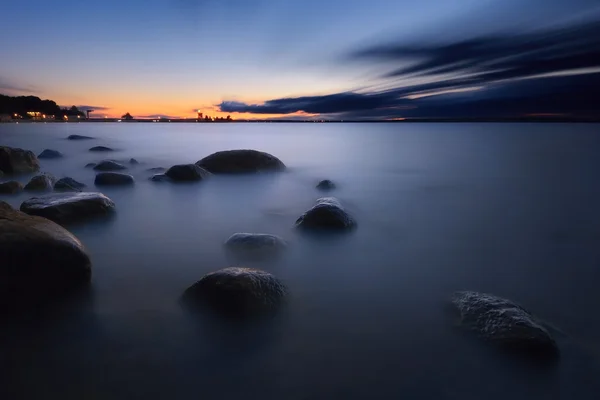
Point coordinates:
[[510, 209]]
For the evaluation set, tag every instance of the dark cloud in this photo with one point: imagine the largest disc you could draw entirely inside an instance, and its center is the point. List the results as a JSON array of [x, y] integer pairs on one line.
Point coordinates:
[[7, 86], [505, 69], [95, 108]]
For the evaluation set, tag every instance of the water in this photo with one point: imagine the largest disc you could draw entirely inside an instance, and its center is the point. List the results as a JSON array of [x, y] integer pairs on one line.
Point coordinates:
[[511, 209]]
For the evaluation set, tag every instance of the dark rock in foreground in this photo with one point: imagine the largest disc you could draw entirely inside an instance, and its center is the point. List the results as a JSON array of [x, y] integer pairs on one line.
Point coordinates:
[[68, 184], [187, 173], [326, 214], [49, 154], [90, 165], [40, 183], [11, 187], [326, 185], [255, 246], [41, 260], [237, 291], [240, 161], [101, 148], [109, 165], [79, 137], [504, 323], [69, 207], [14, 160], [113, 178]]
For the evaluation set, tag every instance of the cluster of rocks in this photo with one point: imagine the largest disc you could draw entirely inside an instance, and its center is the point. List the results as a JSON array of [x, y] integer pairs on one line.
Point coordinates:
[[42, 259]]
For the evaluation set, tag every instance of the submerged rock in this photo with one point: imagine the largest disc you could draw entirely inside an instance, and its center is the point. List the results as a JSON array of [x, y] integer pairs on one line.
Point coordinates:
[[14, 160], [239, 291], [240, 161], [42, 182], [156, 169], [50, 154], [159, 178], [69, 207], [79, 137], [90, 165], [326, 214], [109, 165], [505, 323], [113, 178], [40, 260], [326, 184], [68, 184], [133, 161], [255, 246], [101, 148], [11, 187], [187, 173]]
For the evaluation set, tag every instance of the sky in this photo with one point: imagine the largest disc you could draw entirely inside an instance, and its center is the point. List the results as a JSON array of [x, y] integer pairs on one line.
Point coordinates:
[[341, 59]]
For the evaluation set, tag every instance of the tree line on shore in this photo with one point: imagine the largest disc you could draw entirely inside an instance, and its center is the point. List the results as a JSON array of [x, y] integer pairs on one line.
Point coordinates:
[[19, 107]]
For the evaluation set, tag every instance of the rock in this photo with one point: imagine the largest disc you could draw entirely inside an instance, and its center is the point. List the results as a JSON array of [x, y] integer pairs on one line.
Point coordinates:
[[159, 178], [69, 207], [42, 182], [326, 214], [240, 161], [90, 165], [326, 185], [109, 165], [255, 246], [11, 187], [1, 174], [113, 178], [79, 137], [14, 160], [156, 169], [187, 173], [239, 291], [504, 323], [41, 260], [133, 161], [50, 154], [68, 184], [101, 148]]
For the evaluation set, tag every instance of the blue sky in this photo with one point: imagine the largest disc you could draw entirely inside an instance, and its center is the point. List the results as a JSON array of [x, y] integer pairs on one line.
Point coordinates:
[[175, 56]]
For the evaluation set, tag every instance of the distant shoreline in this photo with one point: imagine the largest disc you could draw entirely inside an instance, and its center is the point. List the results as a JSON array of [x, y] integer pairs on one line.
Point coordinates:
[[412, 120]]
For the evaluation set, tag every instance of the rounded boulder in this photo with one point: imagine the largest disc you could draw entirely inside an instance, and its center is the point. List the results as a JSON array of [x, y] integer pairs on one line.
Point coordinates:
[[240, 161], [238, 291], [109, 165], [113, 178], [11, 187], [326, 214], [40, 259], [326, 184], [64, 208], [79, 137], [14, 160], [68, 184], [50, 154], [187, 173], [504, 323], [41, 183], [100, 149]]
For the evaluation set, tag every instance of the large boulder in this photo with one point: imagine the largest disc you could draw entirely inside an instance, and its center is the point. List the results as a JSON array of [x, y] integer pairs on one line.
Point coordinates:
[[326, 184], [505, 323], [240, 161], [68, 184], [113, 178], [49, 154], [239, 291], [79, 137], [11, 187], [69, 207], [14, 160], [101, 148], [326, 214], [40, 260], [187, 173], [255, 246], [109, 165], [41, 183]]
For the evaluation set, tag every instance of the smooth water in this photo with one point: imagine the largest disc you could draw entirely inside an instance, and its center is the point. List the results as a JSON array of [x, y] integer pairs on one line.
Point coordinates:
[[510, 209]]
